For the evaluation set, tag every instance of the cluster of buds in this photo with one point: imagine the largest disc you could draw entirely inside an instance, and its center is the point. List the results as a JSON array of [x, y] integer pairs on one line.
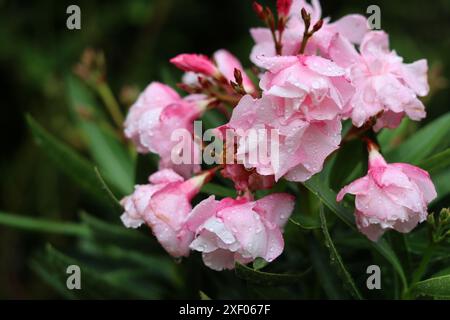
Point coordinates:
[[92, 66], [276, 27], [440, 225], [308, 33]]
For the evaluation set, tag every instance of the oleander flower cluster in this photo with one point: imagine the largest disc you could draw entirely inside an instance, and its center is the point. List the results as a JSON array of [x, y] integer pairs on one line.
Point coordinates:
[[310, 74]]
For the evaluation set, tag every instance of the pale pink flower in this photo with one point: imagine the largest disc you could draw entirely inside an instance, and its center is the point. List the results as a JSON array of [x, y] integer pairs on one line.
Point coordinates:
[[314, 85], [164, 205], [390, 196], [292, 147], [383, 83], [353, 27], [197, 63], [230, 231], [156, 114]]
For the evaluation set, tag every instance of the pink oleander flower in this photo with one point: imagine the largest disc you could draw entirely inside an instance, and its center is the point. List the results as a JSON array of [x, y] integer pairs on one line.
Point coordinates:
[[156, 114], [288, 147], [384, 84], [225, 62], [353, 27], [164, 205], [314, 85], [391, 196], [197, 63], [245, 179], [229, 230]]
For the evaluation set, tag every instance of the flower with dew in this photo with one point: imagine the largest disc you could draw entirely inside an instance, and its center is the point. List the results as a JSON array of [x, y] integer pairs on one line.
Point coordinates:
[[239, 230]]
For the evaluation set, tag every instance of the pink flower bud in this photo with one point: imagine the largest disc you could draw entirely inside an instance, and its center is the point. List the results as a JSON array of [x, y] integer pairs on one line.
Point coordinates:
[[196, 63]]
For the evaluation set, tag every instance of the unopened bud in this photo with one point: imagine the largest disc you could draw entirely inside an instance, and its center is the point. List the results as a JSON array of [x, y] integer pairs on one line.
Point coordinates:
[[259, 10], [238, 76], [318, 25]]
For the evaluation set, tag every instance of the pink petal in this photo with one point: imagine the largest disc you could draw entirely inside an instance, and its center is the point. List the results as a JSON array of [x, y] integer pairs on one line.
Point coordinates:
[[276, 208], [357, 187], [421, 178], [353, 27], [201, 212]]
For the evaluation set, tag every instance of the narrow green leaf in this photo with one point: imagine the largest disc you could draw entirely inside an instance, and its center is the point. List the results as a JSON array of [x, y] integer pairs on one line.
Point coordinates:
[[44, 272], [436, 162], [203, 296], [114, 230], [108, 191], [106, 149], [442, 183], [348, 158], [326, 278], [422, 143], [41, 225], [390, 138], [213, 119], [434, 287], [218, 190], [336, 259], [265, 278], [95, 285], [68, 161]]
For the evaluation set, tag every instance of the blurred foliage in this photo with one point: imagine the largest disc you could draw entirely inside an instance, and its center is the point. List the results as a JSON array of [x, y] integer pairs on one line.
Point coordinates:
[[37, 54]]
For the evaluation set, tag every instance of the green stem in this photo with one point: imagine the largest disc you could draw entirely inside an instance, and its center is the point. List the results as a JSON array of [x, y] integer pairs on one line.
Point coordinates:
[[110, 102], [420, 271]]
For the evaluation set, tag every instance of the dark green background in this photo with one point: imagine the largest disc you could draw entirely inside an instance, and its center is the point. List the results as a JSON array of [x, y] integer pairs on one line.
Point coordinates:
[[138, 37]]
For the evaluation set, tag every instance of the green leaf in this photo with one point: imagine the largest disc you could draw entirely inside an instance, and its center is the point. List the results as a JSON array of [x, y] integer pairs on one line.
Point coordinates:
[[160, 267], [265, 278], [337, 260], [434, 287], [442, 184], [108, 191], [95, 283], [68, 161], [41, 225], [328, 197], [326, 278], [218, 190], [101, 227], [106, 149], [213, 119], [436, 162], [203, 296], [44, 271], [422, 143], [390, 138], [349, 157]]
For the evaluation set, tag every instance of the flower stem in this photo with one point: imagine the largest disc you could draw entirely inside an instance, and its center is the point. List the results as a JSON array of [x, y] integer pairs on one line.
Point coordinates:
[[420, 271], [110, 102]]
